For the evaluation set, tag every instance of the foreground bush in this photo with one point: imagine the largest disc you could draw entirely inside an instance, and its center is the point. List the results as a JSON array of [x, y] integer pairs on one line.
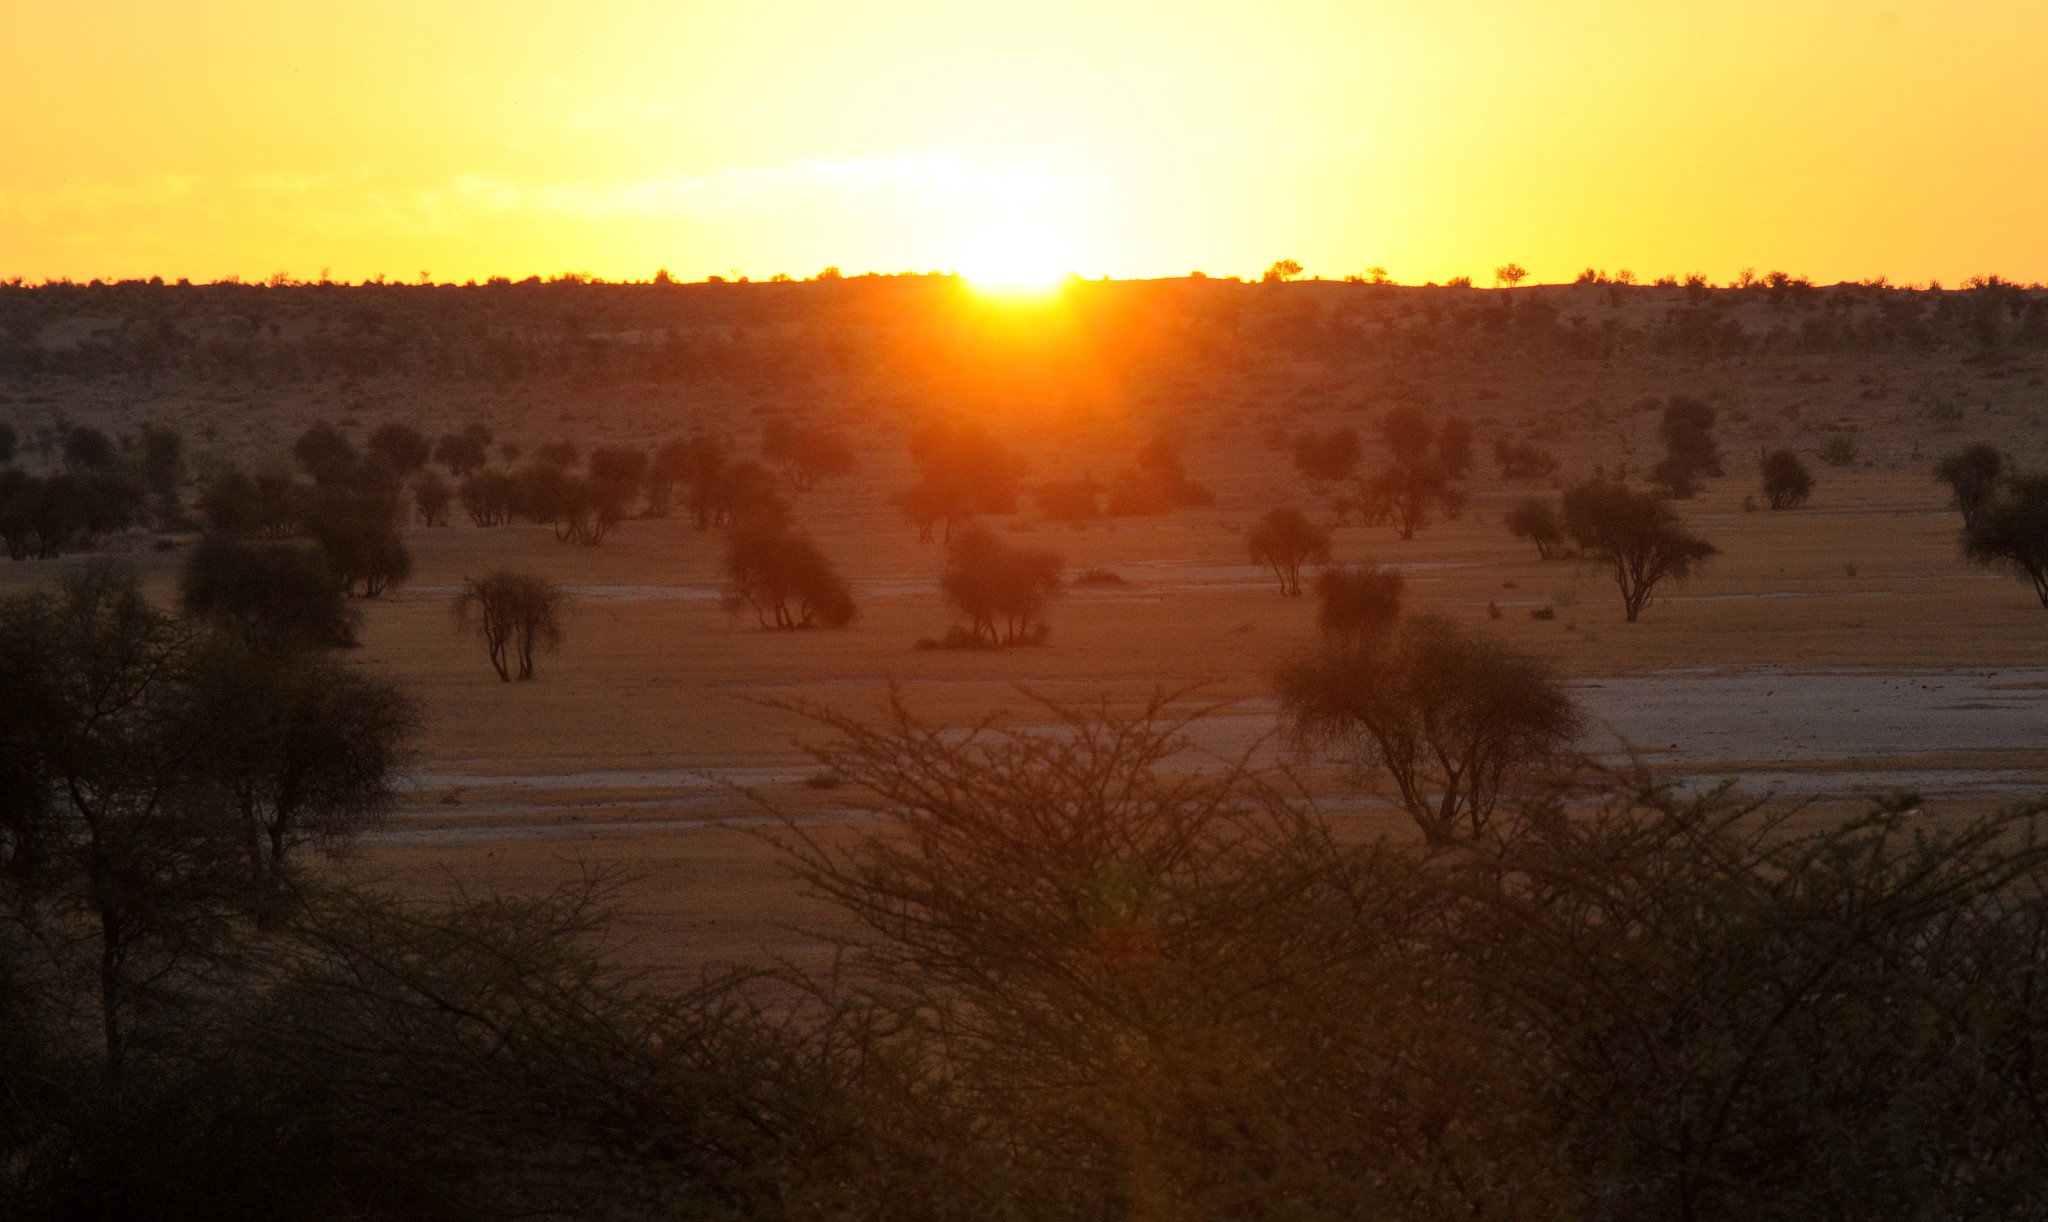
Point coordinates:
[[1090, 973]]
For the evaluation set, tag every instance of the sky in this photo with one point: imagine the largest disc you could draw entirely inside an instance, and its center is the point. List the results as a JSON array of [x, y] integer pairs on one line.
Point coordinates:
[[1839, 139]]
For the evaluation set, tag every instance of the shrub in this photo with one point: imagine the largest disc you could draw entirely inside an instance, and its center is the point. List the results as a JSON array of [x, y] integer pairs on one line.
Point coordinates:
[[1285, 539], [1356, 607], [430, 498], [1523, 460], [1637, 535], [1536, 520], [1838, 451], [1787, 482], [783, 576], [515, 615], [2011, 532], [1690, 451], [1972, 475], [1455, 720], [805, 454], [275, 595], [401, 445], [1328, 456], [1003, 591]]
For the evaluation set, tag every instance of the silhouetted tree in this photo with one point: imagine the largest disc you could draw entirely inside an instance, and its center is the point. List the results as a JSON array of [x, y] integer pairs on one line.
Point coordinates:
[[1285, 539], [783, 576], [1156, 482], [163, 468], [2010, 531], [430, 498], [1971, 474], [1002, 590], [962, 472], [357, 533], [487, 497], [1508, 275], [1328, 456], [1787, 482], [403, 446], [88, 449], [1636, 534], [1416, 479], [514, 615], [1454, 446], [236, 505], [1356, 607], [1536, 520], [805, 454], [273, 596], [326, 454], [1523, 460], [111, 852], [619, 473], [1455, 719], [464, 452], [301, 749], [1690, 451]]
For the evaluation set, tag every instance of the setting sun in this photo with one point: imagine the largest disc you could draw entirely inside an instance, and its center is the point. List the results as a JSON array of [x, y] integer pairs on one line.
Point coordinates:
[[1016, 257]]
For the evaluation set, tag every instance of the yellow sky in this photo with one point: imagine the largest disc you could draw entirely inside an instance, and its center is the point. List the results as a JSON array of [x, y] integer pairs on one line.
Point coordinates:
[[1838, 138]]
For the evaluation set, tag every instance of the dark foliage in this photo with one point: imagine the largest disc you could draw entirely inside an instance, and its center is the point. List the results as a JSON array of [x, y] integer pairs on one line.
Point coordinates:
[[1284, 540], [1328, 456], [272, 596], [805, 454], [2010, 532], [1356, 607], [1635, 534], [1003, 591], [1536, 520], [1457, 721], [515, 615], [1686, 426], [1787, 482], [781, 575], [1972, 474], [404, 447]]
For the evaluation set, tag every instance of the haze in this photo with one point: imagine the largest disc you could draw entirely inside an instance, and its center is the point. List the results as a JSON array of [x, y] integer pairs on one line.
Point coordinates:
[[203, 140]]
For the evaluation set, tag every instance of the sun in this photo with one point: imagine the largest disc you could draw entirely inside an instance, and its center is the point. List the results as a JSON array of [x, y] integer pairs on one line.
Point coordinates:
[[1016, 257]]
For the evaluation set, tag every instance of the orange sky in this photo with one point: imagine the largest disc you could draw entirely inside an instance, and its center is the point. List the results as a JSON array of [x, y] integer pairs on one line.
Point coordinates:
[[1833, 138]]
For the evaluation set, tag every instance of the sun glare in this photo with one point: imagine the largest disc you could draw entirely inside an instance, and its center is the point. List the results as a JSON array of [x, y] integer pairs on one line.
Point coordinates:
[[1016, 258]]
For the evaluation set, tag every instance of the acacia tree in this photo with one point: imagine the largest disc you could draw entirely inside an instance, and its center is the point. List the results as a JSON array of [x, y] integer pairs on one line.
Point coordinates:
[[1358, 606], [1002, 590], [2010, 532], [1635, 534], [1691, 453], [1972, 475], [1536, 520], [781, 574], [126, 735], [272, 595], [1787, 482], [1417, 477], [515, 615], [1508, 275], [430, 498], [1285, 539], [1455, 720], [300, 749], [805, 454], [1328, 456]]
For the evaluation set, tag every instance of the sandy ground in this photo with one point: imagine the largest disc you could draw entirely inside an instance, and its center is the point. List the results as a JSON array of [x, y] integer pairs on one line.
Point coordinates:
[[1841, 649]]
